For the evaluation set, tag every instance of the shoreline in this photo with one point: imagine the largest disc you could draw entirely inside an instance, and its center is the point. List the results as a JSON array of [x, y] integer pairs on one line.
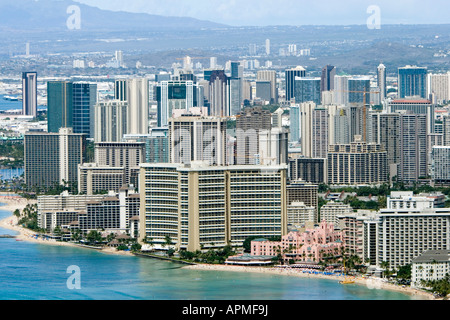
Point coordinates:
[[23, 234], [10, 223], [371, 283]]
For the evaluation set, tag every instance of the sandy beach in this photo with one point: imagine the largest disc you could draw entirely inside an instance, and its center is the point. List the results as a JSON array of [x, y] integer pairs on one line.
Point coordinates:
[[371, 283]]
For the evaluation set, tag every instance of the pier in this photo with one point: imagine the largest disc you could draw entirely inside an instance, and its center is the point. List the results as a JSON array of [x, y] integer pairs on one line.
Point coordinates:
[[7, 236]]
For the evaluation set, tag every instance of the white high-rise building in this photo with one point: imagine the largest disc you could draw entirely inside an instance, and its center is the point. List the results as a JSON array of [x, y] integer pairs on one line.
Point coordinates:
[[267, 46], [119, 58], [405, 234], [138, 105], [330, 212], [212, 62], [70, 154], [439, 87], [341, 89], [381, 81], [197, 139], [440, 159], [111, 121]]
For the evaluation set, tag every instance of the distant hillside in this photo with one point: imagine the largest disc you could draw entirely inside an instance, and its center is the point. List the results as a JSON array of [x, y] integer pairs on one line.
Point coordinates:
[[52, 15]]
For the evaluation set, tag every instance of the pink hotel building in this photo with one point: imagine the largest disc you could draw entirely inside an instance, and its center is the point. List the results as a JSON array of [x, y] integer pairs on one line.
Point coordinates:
[[311, 245]]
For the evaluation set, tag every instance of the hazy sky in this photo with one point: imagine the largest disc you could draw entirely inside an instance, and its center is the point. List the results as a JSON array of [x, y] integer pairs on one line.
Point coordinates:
[[288, 12]]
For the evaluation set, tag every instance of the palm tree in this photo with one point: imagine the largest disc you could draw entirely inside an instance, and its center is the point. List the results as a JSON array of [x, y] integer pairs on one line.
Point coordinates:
[[385, 266], [168, 242]]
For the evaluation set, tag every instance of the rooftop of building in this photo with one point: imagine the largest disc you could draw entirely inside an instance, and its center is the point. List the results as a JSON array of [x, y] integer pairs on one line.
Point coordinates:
[[433, 255]]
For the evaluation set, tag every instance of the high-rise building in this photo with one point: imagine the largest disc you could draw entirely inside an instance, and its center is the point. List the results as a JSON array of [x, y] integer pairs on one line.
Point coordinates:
[[268, 47], [307, 89], [360, 234], [29, 94], [415, 232], [84, 100], [235, 83], [248, 125], [53, 158], [156, 144], [331, 211], [138, 105], [59, 105], [201, 207], [341, 89], [269, 75], [212, 62], [218, 94], [308, 170], [339, 127], [273, 147], [446, 130], [314, 125], [298, 214], [127, 155], [111, 121], [94, 178], [416, 106], [176, 95], [358, 163], [320, 133], [198, 139], [413, 147], [71, 105], [301, 191], [359, 90], [440, 159], [119, 58], [412, 82], [381, 81], [263, 90], [290, 75], [386, 131], [294, 125], [439, 88], [120, 90], [327, 78]]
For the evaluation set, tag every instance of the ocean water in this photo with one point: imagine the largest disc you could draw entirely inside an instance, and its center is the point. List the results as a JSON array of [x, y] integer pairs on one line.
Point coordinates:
[[9, 105], [31, 271]]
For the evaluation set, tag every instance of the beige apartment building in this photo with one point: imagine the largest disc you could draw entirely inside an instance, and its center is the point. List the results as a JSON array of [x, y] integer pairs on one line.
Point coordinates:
[[202, 207]]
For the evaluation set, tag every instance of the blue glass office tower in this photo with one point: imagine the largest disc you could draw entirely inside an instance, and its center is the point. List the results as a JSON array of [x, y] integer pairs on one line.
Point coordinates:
[[59, 105], [84, 100], [412, 81], [294, 118], [71, 105], [307, 89], [290, 75]]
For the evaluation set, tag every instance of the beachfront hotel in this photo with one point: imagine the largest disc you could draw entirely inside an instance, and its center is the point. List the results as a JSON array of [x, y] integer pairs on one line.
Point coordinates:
[[200, 206], [94, 178], [432, 265], [112, 211], [404, 234], [312, 245]]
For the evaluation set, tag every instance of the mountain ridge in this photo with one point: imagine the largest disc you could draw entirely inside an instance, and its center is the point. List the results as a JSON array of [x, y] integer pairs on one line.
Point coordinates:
[[52, 15]]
